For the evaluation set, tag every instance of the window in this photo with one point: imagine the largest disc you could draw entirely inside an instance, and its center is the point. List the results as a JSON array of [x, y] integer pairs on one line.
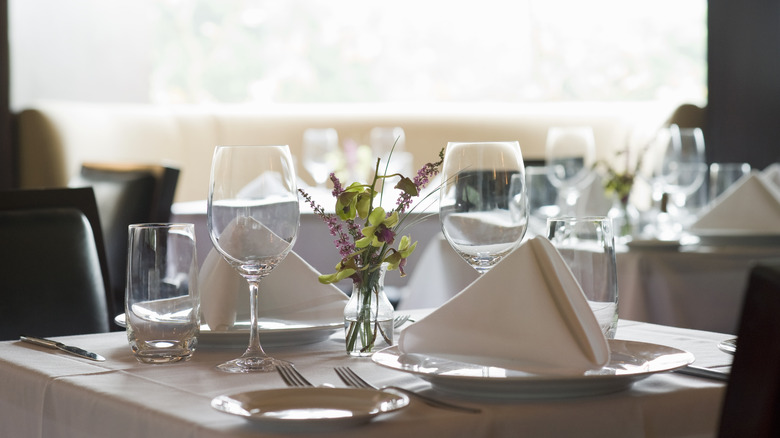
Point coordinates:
[[200, 51]]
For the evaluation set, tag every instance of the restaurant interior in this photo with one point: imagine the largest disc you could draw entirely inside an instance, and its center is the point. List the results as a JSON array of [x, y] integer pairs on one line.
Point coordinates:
[[526, 218]]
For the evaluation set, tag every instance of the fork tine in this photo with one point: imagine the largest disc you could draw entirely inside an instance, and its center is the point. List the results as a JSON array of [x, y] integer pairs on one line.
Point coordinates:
[[292, 377], [351, 378], [400, 320]]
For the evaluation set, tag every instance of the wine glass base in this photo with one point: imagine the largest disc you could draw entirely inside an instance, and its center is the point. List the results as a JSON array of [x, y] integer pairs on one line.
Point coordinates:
[[252, 365]]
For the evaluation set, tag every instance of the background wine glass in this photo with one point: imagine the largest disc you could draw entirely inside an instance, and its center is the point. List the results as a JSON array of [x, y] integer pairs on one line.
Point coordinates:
[[253, 217], [569, 155], [319, 146], [683, 170], [483, 214]]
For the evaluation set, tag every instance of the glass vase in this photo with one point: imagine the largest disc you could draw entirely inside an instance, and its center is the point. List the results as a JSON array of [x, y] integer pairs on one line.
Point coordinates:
[[625, 219], [368, 316]]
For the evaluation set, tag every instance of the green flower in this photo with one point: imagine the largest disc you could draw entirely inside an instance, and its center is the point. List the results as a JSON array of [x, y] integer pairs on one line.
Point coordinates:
[[379, 229], [397, 259], [355, 200]]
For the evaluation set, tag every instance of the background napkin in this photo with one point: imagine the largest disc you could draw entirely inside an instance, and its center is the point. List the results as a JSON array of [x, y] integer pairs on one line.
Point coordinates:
[[751, 204], [291, 293], [528, 313]]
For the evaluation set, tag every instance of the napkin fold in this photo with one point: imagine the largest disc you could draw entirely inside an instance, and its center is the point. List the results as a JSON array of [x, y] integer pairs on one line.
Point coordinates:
[[291, 292], [528, 314], [751, 204]]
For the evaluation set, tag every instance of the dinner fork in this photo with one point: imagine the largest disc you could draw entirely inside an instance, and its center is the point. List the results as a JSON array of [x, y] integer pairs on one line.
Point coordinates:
[[400, 320], [350, 378], [292, 377]]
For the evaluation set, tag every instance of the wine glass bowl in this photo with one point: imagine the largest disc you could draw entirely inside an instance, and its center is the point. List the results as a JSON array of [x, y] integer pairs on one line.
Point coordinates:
[[569, 155], [253, 217], [319, 146], [483, 206]]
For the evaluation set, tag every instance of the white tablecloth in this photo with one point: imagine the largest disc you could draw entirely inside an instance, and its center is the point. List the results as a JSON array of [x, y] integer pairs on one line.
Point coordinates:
[[45, 393]]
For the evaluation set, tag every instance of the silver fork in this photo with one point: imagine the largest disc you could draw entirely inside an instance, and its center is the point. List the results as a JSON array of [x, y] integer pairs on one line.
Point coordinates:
[[400, 320], [292, 377], [350, 378]]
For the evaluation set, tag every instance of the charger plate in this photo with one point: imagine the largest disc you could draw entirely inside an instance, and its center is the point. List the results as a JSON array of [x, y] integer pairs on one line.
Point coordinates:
[[315, 409], [273, 332], [630, 361]]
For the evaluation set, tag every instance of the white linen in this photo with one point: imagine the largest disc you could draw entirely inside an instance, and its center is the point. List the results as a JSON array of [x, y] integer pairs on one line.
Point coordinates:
[[752, 205], [45, 393], [528, 313], [290, 292], [772, 174]]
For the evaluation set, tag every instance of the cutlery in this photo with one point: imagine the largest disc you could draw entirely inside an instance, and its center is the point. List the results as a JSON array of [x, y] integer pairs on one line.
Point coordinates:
[[66, 348], [292, 377], [707, 373], [350, 378], [400, 320]]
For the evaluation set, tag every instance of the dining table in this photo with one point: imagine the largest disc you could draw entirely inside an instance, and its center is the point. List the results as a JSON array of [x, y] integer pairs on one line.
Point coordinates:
[[47, 393]]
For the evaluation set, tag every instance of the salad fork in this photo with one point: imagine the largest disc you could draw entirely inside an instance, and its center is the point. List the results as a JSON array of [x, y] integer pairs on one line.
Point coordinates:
[[350, 378], [292, 377]]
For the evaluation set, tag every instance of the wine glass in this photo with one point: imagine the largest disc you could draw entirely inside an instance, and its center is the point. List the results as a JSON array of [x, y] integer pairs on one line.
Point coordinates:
[[683, 167], [253, 217], [319, 145], [483, 210], [569, 154]]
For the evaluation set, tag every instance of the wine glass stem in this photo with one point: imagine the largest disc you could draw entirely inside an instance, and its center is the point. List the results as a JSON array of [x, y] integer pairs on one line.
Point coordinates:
[[254, 349]]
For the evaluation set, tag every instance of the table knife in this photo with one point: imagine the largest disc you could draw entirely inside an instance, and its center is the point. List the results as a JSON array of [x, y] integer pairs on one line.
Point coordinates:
[[706, 373], [66, 348]]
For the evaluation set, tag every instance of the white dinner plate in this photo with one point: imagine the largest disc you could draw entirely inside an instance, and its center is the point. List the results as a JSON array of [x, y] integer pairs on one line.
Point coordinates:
[[310, 408], [737, 237], [273, 332], [630, 361]]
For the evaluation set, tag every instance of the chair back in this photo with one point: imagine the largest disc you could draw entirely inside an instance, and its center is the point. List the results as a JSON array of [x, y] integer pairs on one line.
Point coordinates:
[[127, 193], [55, 277], [751, 407]]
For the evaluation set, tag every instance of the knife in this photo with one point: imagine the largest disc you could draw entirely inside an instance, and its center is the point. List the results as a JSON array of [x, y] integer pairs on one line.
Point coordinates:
[[706, 373], [66, 348]]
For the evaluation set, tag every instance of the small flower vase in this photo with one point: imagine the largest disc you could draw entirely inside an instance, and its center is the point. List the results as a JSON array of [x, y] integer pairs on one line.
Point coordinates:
[[625, 219], [368, 316]]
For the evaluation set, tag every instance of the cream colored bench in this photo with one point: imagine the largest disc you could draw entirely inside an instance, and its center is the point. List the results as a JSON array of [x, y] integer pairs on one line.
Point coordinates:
[[56, 137]]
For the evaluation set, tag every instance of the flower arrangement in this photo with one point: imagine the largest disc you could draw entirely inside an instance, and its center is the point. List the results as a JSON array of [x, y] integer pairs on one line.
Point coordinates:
[[366, 237], [618, 184]]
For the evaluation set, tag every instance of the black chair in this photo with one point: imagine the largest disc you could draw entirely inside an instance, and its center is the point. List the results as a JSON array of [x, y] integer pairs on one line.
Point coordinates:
[[751, 407], [127, 193], [55, 275]]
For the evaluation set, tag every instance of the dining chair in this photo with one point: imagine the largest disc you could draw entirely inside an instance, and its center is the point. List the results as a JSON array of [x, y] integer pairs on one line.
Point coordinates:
[[54, 278], [126, 193], [751, 407]]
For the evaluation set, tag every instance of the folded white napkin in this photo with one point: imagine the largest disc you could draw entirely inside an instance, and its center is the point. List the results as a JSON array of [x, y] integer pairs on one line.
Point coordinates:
[[290, 293], [772, 174], [593, 200], [528, 313], [752, 204]]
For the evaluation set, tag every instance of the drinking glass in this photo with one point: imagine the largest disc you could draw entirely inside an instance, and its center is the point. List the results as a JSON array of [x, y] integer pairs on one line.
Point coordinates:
[[569, 154], [483, 210], [162, 300], [253, 217], [723, 175], [587, 245], [683, 169], [542, 197], [319, 145]]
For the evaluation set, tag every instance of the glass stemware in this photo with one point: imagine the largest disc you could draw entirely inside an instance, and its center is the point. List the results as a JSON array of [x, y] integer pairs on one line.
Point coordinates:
[[683, 168], [569, 155], [319, 147], [253, 217], [483, 205]]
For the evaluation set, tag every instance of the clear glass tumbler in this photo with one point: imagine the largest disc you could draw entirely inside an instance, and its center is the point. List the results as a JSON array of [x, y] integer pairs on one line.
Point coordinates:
[[162, 299], [587, 244]]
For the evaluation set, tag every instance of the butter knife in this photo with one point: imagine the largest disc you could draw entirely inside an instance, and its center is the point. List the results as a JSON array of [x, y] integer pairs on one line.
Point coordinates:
[[66, 348]]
